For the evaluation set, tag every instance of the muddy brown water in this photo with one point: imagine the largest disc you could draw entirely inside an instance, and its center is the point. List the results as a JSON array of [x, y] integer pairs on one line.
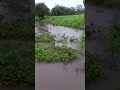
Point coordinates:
[[60, 76]]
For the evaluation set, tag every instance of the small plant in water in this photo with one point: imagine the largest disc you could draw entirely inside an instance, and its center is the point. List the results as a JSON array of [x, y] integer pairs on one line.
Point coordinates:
[[81, 42]]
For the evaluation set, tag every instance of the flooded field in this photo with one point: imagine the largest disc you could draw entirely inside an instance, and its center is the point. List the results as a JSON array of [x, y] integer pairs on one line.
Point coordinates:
[[60, 76], [60, 33]]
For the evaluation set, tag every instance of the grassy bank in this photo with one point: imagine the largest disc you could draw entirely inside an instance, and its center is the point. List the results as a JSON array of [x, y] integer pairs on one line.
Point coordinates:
[[73, 21]]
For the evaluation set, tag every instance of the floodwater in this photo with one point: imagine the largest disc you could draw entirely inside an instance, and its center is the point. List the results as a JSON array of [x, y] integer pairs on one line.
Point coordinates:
[[60, 76], [61, 33]]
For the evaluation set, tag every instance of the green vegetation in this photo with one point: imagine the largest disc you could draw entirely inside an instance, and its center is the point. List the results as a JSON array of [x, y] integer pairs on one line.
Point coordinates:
[[41, 10], [81, 42], [16, 64], [74, 21], [59, 10], [63, 41], [46, 51], [54, 53], [46, 38], [93, 71]]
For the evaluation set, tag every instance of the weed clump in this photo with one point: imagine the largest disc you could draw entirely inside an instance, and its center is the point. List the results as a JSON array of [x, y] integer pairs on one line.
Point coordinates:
[[81, 42], [55, 54], [45, 38]]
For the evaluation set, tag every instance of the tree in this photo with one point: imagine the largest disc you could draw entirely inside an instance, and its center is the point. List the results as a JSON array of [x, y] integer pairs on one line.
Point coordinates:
[[79, 8], [41, 10], [59, 10]]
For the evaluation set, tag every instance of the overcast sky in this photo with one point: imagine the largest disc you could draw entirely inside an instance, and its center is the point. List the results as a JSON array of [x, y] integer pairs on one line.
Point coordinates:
[[67, 3]]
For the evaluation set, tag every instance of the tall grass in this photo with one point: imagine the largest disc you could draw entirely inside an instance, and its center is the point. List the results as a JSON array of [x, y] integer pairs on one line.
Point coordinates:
[[74, 21]]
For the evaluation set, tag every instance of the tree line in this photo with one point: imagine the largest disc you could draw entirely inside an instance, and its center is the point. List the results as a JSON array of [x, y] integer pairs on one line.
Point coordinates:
[[42, 10]]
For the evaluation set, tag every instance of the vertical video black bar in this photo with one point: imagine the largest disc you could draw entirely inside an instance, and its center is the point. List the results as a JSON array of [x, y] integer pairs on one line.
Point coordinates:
[[102, 19], [17, 65]]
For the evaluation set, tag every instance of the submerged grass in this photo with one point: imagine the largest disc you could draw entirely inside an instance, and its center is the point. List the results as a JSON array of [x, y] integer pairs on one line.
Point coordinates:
[[73, 21], [45, 38], [63, 41]]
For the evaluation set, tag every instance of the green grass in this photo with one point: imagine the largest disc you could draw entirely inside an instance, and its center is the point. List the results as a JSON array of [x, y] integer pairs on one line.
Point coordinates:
[[46, 38], [73, 21], [53, 53]]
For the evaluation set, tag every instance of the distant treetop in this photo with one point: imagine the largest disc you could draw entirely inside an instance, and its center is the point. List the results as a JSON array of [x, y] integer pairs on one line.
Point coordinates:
[[105, 3]]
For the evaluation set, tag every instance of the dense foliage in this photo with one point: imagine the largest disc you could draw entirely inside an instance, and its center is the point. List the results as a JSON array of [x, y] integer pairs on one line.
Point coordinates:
[[59, 10], [41, 10]]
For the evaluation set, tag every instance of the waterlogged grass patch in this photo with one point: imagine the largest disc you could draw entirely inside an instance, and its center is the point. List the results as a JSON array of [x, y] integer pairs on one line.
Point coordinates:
[[54, 54], [46, 38], [81, 42]]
